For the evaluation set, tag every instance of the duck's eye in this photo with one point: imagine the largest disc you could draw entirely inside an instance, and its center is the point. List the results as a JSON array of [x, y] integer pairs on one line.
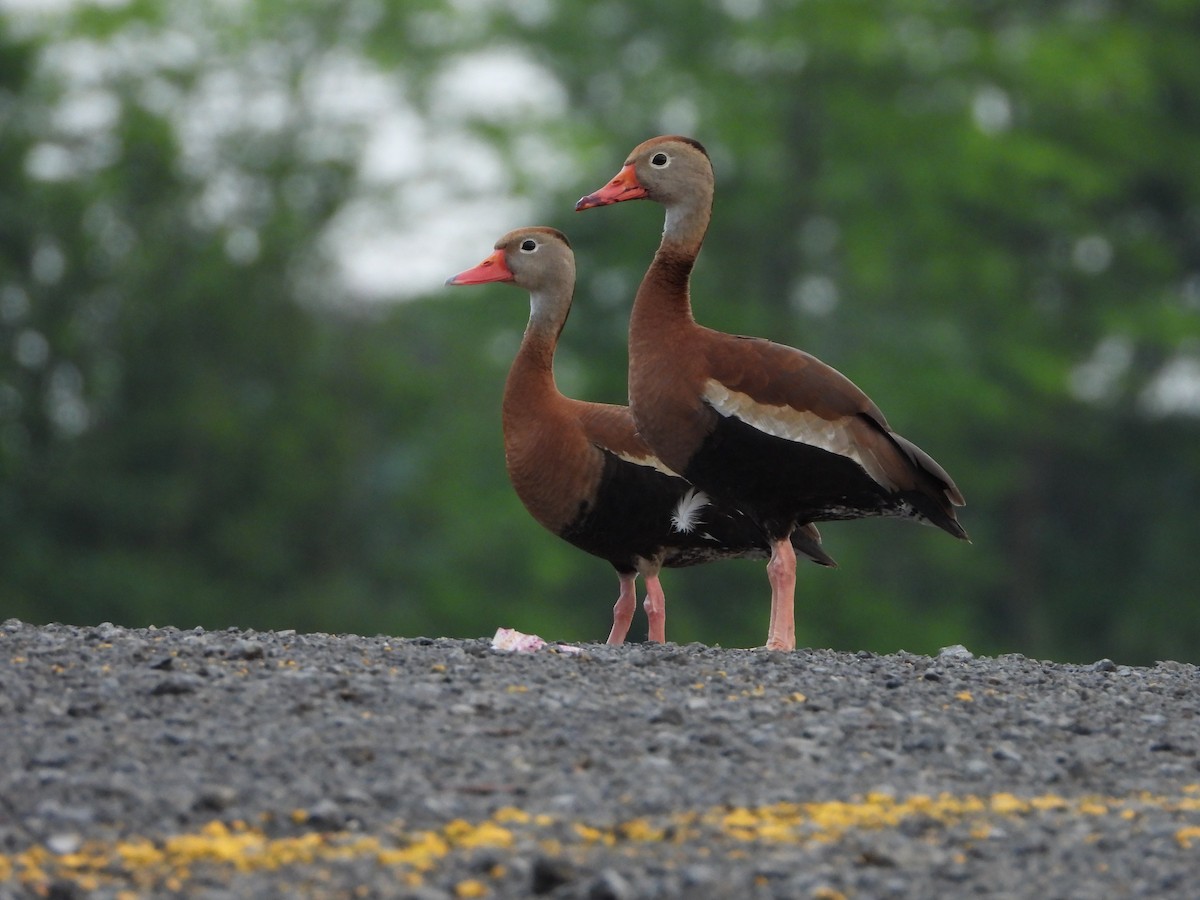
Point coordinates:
[[528, 246], [659, 160]]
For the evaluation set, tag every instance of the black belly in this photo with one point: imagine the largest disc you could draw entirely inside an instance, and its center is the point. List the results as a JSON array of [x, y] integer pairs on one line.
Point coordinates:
[[630, 518], [781, 483]]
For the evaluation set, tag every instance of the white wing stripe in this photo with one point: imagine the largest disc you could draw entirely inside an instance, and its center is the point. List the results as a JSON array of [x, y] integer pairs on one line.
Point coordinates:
[[793, 425], [650, 461]]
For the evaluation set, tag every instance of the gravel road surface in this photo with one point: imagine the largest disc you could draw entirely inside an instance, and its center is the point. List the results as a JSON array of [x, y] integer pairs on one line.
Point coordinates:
[[230, 764]]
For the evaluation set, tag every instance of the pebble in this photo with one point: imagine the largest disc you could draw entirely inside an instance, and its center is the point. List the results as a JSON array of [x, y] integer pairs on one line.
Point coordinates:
[[174, 685], [610, 885], [246, 649], [549, 873], [63, 843], [326, 815], [955, 652], [670, 715]]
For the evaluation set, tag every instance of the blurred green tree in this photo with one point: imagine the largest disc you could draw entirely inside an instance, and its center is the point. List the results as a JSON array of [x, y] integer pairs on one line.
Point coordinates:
[[987, 215]]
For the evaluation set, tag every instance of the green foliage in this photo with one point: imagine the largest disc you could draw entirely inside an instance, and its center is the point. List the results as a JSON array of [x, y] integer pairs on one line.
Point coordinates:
[[987, 214]]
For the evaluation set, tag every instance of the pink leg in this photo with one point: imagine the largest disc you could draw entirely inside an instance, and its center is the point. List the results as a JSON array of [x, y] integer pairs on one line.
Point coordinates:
[[656, 609], [623, 611], [781, 572]]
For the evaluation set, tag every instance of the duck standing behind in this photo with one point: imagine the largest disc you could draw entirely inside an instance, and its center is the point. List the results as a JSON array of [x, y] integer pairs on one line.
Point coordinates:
[[756, 424]]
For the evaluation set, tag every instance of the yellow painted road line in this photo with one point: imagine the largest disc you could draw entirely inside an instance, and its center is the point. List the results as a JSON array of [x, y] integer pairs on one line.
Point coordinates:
[[144, 863]]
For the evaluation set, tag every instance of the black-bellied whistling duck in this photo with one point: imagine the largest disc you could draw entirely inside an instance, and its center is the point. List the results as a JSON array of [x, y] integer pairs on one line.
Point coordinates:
[[580, 468], [760, 425]]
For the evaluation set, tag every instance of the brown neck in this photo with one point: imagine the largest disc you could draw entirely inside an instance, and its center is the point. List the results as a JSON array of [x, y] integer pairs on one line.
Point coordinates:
[[663, 295], [663, 299], [531, 379]]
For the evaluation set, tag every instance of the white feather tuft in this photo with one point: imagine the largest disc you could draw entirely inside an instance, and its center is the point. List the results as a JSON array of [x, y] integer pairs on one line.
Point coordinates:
[[687, 510]]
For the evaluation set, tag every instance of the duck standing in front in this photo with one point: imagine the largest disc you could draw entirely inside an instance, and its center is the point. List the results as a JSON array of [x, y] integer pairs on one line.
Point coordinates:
[[766, 427], [581, 469]]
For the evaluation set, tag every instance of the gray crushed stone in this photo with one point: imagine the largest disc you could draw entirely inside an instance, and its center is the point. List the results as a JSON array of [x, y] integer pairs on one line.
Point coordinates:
[[109, 734]]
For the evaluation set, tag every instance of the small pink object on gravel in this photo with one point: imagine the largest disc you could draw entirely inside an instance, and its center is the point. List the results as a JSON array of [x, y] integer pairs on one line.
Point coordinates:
[[513, 641]]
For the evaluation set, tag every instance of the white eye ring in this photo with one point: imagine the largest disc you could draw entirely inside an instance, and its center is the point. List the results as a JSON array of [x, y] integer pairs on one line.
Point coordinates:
[[529, 245], [660, 160]]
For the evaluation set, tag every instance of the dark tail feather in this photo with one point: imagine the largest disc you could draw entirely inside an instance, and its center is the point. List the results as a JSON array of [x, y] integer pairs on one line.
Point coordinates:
[[928, 466], [937, 501], [806, 541], [941, 515]]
